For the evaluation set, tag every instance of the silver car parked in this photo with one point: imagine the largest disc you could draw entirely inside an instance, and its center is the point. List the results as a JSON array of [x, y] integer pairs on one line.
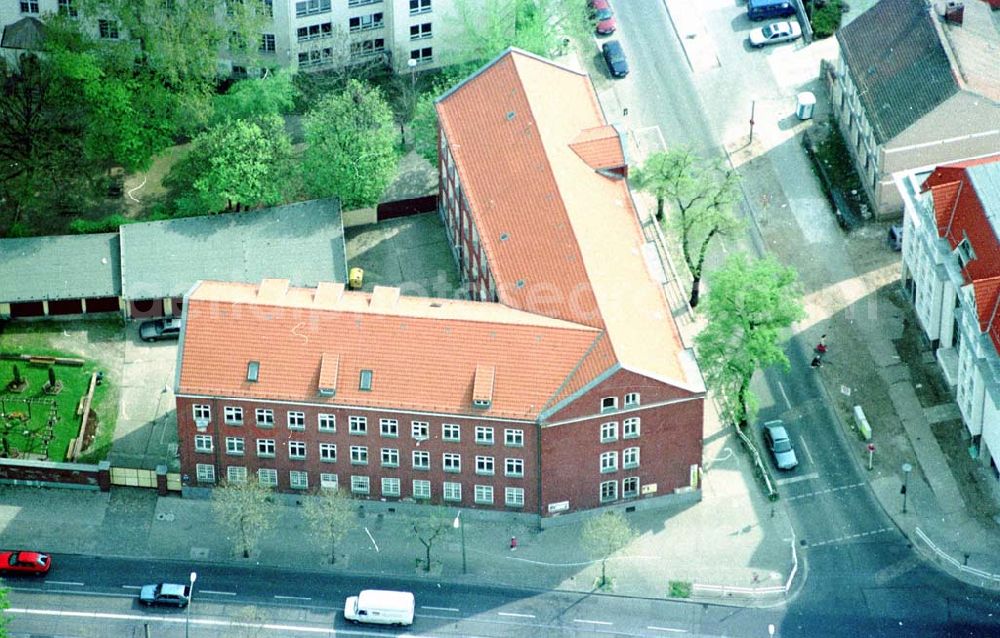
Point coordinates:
[[776, 438]]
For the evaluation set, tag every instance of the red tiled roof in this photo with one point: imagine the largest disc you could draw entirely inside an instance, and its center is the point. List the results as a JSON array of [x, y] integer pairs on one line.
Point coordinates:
[[987, 299], [561, 238], [423, 352]]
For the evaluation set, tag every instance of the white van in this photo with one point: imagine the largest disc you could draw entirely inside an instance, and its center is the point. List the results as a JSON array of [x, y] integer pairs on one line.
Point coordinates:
[[380, 607]]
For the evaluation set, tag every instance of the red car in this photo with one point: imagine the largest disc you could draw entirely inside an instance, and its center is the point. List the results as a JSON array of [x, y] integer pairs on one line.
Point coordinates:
[[21, 562], [600, 10]]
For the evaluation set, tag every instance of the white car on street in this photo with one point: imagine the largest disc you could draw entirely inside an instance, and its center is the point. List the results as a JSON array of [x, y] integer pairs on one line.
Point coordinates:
[[775, 33]]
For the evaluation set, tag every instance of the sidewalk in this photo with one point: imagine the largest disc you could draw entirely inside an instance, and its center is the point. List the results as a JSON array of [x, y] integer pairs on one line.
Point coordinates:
[[876, 358]]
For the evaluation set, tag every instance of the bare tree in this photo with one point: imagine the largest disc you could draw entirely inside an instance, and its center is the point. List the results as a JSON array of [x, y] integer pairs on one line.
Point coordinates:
[[428, 531], [331, 515], [604, 535], [247, 509]]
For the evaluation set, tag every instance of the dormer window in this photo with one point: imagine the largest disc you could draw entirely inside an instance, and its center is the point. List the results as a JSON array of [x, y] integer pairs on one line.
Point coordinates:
[[253, 371], [329, 366], [964, 252], [365, 382]]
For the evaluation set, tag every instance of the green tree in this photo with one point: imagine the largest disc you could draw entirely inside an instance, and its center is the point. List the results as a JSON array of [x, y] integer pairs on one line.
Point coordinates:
[[247, 510], [424, 128], [701, 195], [4, 605], [271, 94], [331, 514], [603, 535], [235, 165], [351, 148], [749, 306], [428, 531], [488, 27]]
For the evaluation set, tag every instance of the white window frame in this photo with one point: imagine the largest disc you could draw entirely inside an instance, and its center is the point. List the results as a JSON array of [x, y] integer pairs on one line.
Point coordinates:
[[451, 462], [485, 465], [451, 492], [298, 480], [484, 435], [632, 399], [204, 472], [326, 422], [328, 452], [422, 455], [388, 428], [232, 415], [513, 467], [451, 432], [266, 443], [328, 481], [513, 496], [267, 477], [421, 489], [483, 495], [631, 427], [420, 430], [419, 6], [357, 425], [264, 417], [630, 458], [296, 420], [391, 487], [236, 474], [609, 462], [300, 448], [609, 431], [609, 405], [359, 455], [612, 489], [513, 437], [202, 411], [204, 443], [360, 484], [625, 491], [235, 446], [390, 457]]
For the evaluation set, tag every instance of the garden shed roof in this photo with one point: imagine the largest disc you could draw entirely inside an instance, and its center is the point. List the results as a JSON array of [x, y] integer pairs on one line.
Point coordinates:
[[301, 242], [59, 267]]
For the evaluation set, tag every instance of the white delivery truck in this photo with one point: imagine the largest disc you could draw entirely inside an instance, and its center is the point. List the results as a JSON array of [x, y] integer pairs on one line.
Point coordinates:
[[380, 607]]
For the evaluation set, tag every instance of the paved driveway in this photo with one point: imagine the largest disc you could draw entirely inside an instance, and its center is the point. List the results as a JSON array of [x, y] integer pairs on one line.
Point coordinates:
[[146, 435]]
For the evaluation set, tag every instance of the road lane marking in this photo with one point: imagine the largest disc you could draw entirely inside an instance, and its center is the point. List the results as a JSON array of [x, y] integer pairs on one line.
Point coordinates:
[[828, 490], [781, 387], [64, 582], [678, 631], [797, 479], [513, 615], [592, 622], [441, 608], [372, 540], [292, 598], [131, 587], [217, 593], [93, 615], [850, 537], [808, 453]]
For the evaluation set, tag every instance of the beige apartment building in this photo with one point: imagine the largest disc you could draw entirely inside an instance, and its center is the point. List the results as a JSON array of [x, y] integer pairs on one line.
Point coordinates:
[[301, 34]]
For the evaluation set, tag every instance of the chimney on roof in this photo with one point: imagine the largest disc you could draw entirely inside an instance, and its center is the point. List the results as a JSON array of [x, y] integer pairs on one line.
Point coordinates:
[[954, 11], [272, 290]]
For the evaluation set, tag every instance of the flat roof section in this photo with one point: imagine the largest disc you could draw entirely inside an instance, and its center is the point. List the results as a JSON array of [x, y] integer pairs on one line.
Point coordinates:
[[59, 267]]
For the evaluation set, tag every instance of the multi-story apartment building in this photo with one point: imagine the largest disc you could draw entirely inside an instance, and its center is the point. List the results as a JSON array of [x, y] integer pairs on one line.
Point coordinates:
[[300, 34], [951, 269], [916, 84], [567, 388]]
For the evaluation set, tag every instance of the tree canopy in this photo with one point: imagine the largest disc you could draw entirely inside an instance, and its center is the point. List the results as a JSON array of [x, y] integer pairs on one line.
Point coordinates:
[[749, 306], [246, 510], [352, 146], [701, 195], [271, 94], [331, 515], [603, 535]]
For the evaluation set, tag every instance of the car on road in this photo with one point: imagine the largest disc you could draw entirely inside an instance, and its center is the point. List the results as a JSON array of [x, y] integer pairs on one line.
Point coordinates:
[[776, 438], [160, 329], [614, 55], [600, 10], [22, 562], [775, 33], [165, 594]]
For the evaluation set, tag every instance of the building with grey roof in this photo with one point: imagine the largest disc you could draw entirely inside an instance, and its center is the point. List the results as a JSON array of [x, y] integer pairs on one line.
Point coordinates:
[[917, 84], [302, 242], [59, 275]]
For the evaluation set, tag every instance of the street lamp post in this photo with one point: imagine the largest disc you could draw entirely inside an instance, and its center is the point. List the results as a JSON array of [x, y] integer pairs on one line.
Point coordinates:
[[459, 524], [187, 622], [907, 468], [413, 73]]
